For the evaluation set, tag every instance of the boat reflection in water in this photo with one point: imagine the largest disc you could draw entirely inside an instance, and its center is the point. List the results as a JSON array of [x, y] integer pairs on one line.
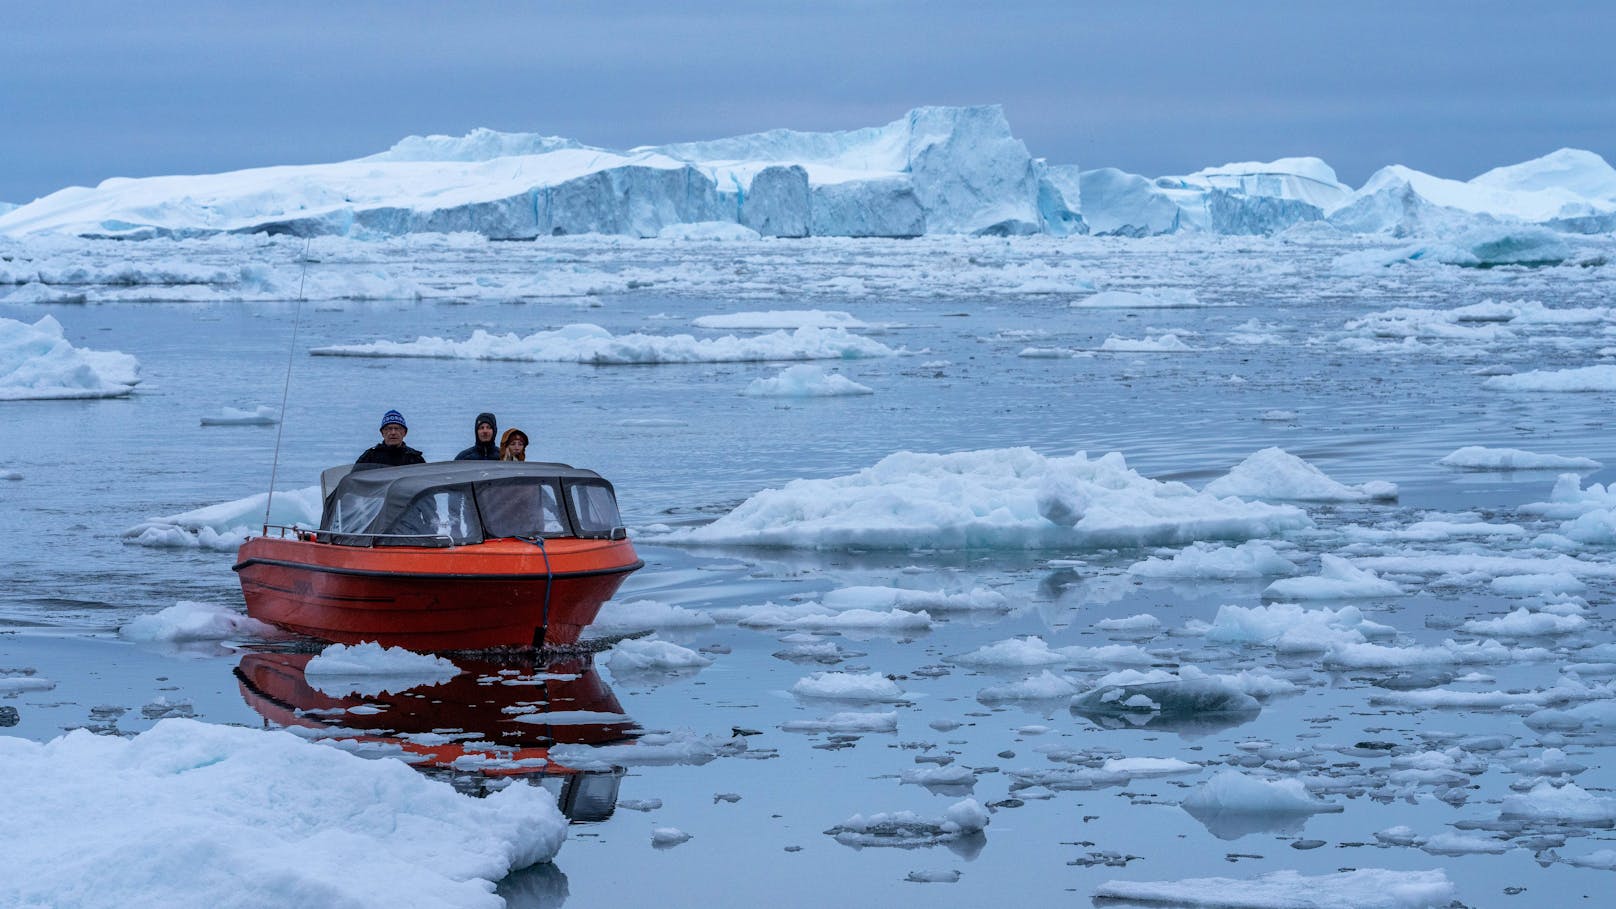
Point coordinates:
[[497, 718]]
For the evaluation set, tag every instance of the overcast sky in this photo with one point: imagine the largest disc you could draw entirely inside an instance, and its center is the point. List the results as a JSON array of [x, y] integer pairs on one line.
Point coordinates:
[[96, 89]]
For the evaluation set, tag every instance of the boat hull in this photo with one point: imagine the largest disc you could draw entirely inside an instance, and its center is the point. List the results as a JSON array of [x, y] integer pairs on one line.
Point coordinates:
[[500, 593]]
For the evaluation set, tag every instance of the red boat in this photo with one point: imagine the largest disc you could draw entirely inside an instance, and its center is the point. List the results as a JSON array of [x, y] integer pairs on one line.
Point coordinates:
[[457, 555]]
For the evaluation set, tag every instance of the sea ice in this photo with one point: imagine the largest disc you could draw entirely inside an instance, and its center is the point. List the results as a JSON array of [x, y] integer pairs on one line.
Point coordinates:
[[585, 343], [190, 621], [1274, 473], [264, 813], [1476, 457], [370, 669], [1252, 559], [1363, 888], [1007, 499], [37, 362], [806, 381]]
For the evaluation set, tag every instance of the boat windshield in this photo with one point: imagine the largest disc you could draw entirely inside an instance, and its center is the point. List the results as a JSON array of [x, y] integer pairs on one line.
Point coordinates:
[[594, 507], [440, 515], [520, 507]]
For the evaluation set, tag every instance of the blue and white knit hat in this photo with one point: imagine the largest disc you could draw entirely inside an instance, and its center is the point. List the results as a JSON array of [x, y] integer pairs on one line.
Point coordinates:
[[393, 416]]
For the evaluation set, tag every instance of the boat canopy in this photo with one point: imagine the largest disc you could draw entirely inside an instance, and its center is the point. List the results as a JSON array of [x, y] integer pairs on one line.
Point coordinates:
[[452, 503]]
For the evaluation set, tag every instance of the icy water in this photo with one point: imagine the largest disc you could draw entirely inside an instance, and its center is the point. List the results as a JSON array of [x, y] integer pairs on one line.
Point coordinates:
[[1376, 401]]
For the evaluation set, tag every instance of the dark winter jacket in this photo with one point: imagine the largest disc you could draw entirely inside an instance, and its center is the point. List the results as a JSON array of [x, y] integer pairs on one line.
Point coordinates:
[[382, 455], [482, 451]]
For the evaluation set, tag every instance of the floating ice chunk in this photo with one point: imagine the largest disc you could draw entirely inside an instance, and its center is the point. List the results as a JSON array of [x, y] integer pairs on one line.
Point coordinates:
[[979, 599], [1529, 585], [1449, 843], [17, 684], [1365, 888], [658, 749], [933, 877], [262, 415], [956, 776], [668, 837], [188, 621], [619, 617], [1141, 624], [1023, 651], [584, 343], [1252, 559], [1046, 353], [1044, 686], [1475, 457], [846, 723], [1601, 377], [37, 362], [1007, 498], [1146, 766], [1448, 653], [789, 319], [1604, 859], [1399, 836], [907, 829], [1168, 342], [1163, 298], [1523, 623], [1290, 628], [1191, 695], [1233, 792], [1567, 803], [1279, 416], [814, 617], [806, 381], [370, 669], [227, 525], [848, 686], [642, 656], [1337, 579], [1274, 473], [185, 792]]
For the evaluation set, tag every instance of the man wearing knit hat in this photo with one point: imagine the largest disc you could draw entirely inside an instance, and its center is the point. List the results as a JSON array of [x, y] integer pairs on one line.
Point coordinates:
[[392, 452]]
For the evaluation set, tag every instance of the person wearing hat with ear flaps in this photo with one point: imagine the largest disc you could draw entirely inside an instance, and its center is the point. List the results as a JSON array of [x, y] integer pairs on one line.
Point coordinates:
[[391, 451]]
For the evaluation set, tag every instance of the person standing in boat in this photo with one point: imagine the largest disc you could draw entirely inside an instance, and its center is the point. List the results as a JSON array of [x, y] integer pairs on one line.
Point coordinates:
[[513, 445], [483, 448], [391, 451]]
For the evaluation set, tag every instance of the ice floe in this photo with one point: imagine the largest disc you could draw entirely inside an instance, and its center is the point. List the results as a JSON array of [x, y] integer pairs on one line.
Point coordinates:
[[341, 828], [1275, 474], [1252, 559], [1005, 499], [908, 829], [1337, 579], [227, 525], [37, 362], [1363, 888], [585, 343], [190, 621], [1476, 457], [806, 381], [263, 415], [369, 669]]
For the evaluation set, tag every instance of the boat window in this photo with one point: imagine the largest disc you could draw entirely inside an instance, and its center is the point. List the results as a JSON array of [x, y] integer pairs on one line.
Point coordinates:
[[354, 512], [594, 508], [444, 513], [520, 507]]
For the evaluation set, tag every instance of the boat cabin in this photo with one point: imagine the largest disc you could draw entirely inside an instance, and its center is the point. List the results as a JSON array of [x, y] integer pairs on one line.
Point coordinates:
[[457, 503]]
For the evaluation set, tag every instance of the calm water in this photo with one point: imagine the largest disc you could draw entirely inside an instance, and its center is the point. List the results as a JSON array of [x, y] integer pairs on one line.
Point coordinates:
[[92, 469]]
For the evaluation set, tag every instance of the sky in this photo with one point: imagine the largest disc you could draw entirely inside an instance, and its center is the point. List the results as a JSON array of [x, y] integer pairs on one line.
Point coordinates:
[[91, 89]]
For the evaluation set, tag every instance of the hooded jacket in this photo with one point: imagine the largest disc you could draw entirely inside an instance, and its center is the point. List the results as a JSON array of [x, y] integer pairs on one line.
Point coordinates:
[[482, 451]]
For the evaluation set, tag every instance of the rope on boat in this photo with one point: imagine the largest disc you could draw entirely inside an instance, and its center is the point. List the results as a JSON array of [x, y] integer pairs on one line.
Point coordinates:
[[286, 387], [549, 579]]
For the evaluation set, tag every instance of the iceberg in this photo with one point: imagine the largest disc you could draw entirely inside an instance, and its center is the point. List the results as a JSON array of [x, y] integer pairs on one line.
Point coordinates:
[[38, 362]]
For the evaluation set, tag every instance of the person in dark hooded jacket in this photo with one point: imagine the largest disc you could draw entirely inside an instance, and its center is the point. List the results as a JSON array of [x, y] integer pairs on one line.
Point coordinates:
[[484, 447]]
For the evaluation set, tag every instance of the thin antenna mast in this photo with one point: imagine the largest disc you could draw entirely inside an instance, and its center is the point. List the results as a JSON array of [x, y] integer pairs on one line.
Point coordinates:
[[291, 351]]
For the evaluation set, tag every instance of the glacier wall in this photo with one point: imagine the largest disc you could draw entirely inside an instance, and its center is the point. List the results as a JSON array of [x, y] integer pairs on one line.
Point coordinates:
[[936, 170]]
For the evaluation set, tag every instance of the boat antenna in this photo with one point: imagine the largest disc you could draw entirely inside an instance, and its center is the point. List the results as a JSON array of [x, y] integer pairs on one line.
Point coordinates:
[[286, 387]]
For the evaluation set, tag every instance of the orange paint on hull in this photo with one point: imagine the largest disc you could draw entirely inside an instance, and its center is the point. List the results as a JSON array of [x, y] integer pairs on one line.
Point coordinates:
[[490, 594]]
